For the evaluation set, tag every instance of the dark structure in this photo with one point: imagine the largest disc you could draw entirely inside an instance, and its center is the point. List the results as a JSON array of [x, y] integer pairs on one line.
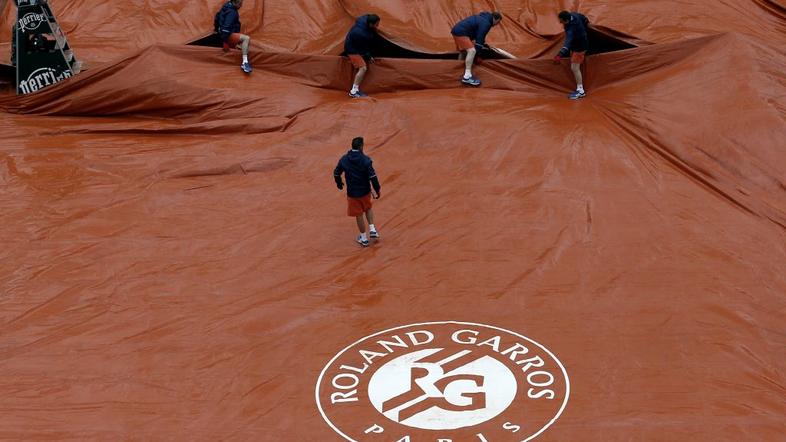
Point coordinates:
[[39, 49]]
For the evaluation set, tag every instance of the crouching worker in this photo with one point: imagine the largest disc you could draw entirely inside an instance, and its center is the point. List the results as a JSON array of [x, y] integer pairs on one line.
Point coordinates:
[[227, 25], [576, 45], [360, 175], [357, 47], [470, 36]]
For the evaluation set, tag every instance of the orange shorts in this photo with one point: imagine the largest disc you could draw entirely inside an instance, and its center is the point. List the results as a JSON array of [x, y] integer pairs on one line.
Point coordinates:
[[577, 57], [357, 61], [232, 41], [463, 43], [358, 206]]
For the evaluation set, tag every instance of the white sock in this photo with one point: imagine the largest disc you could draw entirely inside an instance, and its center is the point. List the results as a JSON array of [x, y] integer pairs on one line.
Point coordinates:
[[371, 228], [355, 88], [468, 73], [245, 59], [363, 237], [580, 88]]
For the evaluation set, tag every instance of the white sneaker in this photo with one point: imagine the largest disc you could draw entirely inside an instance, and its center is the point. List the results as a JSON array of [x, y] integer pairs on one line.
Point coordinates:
[[373, 234], [361, 241]]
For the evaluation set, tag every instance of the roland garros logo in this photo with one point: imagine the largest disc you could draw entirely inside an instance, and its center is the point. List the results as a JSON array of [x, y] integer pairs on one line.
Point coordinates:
[[443, 382]]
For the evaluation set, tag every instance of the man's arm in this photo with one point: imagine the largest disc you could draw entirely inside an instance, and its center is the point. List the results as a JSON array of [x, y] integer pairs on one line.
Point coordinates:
[[374, 179], [229, 21], [337, 176], [483, 30], [565, 51]]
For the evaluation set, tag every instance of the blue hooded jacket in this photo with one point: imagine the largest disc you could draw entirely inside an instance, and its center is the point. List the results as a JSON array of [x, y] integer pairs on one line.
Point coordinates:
[[359, 172], [227, 21], [359, 38], [475, 27], [575, 34]]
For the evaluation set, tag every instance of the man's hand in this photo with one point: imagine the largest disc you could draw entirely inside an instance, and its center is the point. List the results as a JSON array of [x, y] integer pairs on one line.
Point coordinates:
[[376, 195], [340, 186]]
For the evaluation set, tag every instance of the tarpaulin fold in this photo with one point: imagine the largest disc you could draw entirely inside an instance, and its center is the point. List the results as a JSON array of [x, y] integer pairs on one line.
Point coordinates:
[[177, 262]]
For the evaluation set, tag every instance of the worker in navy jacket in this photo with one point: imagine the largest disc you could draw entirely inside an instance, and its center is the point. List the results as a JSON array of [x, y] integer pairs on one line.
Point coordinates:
[[576, 45], [227, 25], [470, 36], [357, 47], [360, 175]]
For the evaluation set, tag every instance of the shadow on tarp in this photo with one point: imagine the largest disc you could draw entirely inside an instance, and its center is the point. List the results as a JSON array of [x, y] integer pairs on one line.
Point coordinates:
[[602, 40], [382, 47], [7, 77]]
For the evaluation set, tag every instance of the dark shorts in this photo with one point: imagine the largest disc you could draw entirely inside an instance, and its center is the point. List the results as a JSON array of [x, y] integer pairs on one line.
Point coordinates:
[[358, 206]]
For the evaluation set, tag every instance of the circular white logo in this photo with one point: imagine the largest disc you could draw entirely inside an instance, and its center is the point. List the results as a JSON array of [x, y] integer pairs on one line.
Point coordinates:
[[445, 381]]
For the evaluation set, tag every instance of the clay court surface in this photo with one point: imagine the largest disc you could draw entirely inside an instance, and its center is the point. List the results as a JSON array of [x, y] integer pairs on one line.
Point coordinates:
[[177, 263]]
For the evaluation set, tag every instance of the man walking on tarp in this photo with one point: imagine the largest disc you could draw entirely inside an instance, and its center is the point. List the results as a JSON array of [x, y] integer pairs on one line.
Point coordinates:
[[470, 36], [227, 25], [576, 45], [357, 47], [358, 169]]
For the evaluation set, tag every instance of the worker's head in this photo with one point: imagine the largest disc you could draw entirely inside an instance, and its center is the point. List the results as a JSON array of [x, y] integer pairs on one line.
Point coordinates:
[[564, 17], [373, 21], [238, 3], [357, 143], [496, 17]]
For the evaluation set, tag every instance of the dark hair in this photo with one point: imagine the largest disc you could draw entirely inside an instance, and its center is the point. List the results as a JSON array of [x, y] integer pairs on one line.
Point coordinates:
[[357, 143], [372, 19], [564, 16], [497, 16]]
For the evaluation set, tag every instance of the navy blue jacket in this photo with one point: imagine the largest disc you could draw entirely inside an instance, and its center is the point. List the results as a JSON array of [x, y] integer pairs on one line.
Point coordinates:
[[359, 38], [228, 21], [475, 27], [360, 174], [575, 34]]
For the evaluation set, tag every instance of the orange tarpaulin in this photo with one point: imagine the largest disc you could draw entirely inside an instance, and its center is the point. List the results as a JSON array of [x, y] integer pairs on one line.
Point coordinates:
[[178, 263]]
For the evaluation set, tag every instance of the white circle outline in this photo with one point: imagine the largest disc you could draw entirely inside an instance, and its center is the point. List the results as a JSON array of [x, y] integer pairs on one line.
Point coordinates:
[[330, 363]]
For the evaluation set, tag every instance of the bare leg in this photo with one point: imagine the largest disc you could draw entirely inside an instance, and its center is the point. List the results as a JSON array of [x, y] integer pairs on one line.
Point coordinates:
[[370, 216], [361, 223], [576, 68], [359, 77], [245, 41], [469, 61]]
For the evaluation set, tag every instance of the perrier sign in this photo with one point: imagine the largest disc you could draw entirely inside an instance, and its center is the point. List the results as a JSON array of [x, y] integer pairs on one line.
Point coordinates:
[[41, 54]]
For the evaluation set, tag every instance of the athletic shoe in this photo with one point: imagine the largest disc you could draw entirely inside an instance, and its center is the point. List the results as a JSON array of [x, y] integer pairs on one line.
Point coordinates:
[[246, 67], [575, 95], [361, 241], [472, 81], [373, 234], [358, 94]]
